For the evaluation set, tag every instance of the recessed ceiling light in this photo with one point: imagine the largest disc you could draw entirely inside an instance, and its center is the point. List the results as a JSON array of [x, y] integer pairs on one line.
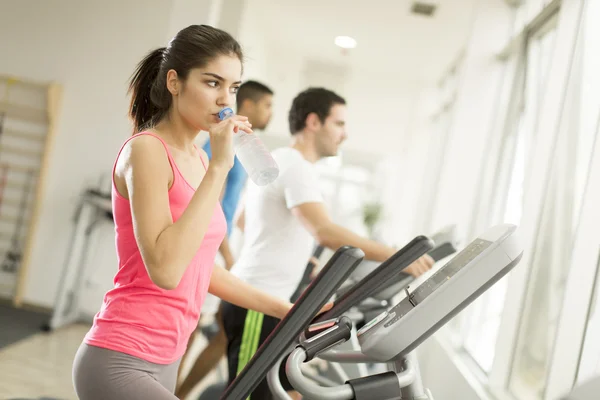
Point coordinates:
[[345, 42]]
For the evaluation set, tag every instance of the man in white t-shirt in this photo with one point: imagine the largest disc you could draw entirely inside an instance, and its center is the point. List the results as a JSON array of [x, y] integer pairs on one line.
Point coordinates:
[[283, 220]]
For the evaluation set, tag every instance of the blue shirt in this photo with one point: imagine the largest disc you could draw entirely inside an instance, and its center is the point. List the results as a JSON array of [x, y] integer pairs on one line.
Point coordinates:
[[236, 179]]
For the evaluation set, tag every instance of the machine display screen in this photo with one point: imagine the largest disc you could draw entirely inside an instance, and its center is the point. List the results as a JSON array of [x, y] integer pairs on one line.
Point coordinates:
[[437, 279], [375, 321]]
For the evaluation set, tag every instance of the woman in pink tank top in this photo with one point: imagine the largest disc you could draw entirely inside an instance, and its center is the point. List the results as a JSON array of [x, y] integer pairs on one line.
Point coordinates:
[[168, 220]]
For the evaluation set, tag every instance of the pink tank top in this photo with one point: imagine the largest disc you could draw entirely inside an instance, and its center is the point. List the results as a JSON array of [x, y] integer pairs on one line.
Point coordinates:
[[139, 318]]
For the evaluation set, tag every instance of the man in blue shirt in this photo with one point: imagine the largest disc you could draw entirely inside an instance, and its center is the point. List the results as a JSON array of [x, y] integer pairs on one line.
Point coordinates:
[[253, 100]]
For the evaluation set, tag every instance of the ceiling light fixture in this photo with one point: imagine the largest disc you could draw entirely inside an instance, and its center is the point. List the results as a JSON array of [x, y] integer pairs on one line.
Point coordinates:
[[345, 42]]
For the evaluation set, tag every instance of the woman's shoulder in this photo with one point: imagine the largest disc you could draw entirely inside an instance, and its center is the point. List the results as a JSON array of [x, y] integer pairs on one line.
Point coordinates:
[[145, 145], [141, 151]]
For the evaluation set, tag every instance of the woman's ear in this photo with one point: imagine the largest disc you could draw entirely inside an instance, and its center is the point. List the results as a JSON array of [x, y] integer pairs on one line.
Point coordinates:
[[173, 84]]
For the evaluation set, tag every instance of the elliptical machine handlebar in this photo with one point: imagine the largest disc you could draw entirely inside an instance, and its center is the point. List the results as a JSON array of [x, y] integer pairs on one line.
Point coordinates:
[[336, 271], [378, 278], [393, 336], [372, 283], [387, 384], [393, 286], [325, 335]]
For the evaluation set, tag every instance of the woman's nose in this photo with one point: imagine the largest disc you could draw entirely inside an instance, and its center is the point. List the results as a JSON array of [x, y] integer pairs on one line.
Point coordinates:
[[226, 98]]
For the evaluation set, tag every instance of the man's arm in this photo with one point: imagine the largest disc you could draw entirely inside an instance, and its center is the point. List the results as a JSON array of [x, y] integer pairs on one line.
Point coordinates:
[[225, 251], [232, 289], [241, 221], [315, 218], [224, 248]]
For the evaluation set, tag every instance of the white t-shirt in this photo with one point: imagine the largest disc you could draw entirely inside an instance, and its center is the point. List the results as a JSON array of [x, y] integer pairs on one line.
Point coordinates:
[[277, 246]]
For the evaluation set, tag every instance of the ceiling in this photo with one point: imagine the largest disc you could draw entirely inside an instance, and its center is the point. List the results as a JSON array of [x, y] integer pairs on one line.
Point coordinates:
[[390, 38]]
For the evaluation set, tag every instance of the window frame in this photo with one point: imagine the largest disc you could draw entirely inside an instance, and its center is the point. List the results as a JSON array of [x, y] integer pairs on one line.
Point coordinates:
[[567, 14], [568, 17]]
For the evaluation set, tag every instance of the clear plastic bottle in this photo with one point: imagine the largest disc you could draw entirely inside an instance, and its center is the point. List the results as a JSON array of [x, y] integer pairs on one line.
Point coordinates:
[[253, 154]]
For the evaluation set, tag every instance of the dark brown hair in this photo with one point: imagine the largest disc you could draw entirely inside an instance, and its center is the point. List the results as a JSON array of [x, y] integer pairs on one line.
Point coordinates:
[[312, 100], [252, 90], [192, 47]]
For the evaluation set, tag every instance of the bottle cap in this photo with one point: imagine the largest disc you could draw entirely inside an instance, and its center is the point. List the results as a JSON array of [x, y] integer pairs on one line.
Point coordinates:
[[225, 113]]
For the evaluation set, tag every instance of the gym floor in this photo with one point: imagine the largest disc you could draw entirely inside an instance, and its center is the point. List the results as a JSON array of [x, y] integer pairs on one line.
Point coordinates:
[[39, 366]]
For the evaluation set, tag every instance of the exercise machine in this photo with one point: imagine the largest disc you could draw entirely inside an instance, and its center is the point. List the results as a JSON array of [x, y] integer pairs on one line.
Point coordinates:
[[389, 271], [306, 278], [394, 335], [368, 309], [212, 392], [444, 239], [94, 208], [391, 338], [335, 272]]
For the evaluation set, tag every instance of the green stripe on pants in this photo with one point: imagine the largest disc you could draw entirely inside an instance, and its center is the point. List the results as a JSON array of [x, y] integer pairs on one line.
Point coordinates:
[[250, 338]]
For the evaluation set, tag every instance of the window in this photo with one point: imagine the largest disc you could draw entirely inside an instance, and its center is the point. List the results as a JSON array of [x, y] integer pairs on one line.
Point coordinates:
[[537, 63], [552, 253], [535, 171], [576, 352], [588, 102], [345, 188], [437, 143], [479, 326]]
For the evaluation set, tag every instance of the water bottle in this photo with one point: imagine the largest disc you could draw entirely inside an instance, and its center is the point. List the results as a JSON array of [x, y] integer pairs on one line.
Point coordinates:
[[253, 154]]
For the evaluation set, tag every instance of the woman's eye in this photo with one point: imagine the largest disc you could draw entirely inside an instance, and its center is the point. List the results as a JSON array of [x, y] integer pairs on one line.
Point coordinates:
[[235, 89], [213, 83]]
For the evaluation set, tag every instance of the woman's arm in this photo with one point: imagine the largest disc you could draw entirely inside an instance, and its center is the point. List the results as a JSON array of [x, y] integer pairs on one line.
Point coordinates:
[[230, 288], [167, 247]]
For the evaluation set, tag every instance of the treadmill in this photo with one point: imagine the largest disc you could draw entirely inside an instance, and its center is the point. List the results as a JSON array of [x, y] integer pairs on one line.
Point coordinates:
[[392, 337]]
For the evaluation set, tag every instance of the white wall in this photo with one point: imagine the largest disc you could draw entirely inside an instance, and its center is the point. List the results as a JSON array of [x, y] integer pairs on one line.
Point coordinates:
[[283, 69], [379, 112], [254, 45], [379, 108], [402, 173], [91, 48], [188, 12]]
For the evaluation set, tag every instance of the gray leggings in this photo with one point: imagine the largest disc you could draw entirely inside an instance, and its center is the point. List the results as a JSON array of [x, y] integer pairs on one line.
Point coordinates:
[[100, 374]]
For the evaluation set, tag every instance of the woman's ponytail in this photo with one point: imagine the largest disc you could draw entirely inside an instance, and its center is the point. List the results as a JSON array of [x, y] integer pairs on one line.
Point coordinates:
[[149, 102]]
